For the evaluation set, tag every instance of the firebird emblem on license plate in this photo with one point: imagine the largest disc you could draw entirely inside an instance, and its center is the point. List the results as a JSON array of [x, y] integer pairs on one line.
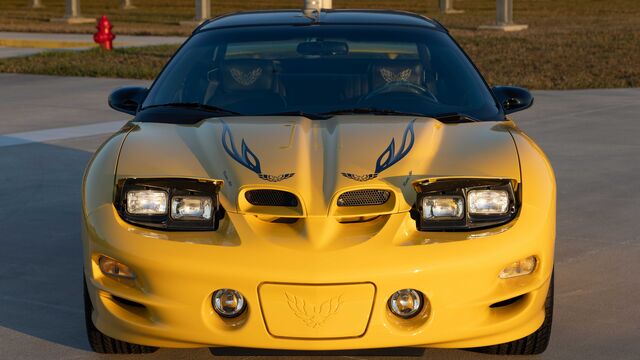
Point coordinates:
[[314, 316]]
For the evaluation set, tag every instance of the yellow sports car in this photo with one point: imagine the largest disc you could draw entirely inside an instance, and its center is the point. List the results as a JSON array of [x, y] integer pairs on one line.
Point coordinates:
[[319, 181]]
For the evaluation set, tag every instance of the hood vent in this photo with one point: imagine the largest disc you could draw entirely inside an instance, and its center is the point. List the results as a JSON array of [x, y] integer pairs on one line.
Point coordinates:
[[271, 198], [365, 197]]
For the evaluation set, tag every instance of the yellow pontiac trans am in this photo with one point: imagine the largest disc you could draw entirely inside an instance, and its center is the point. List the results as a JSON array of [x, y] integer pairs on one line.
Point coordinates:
[[319, 181]]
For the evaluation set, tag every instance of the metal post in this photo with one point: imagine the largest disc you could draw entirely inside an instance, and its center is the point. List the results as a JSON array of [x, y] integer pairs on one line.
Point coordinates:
[[72, 14], [35, 4], [446, 7], [126, 5], [504, 18]]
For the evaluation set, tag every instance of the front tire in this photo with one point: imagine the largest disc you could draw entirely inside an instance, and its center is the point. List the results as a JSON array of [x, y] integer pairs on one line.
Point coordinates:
[[102, 343], [533, 344]]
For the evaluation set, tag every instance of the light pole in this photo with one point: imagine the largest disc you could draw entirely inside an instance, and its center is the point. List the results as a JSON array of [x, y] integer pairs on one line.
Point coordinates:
[[504, 18], [72, 14], [126, 5], [35, 4], [202, 13], [446, 7]]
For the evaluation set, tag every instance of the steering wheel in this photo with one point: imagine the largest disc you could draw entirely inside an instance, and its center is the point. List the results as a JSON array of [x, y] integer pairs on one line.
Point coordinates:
[[401, 86]]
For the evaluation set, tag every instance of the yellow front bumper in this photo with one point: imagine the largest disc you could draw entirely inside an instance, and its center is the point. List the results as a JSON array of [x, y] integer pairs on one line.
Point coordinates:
[[169, 303]]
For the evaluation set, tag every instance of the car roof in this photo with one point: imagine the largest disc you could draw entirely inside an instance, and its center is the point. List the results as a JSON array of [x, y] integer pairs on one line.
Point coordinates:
[[324, 17]]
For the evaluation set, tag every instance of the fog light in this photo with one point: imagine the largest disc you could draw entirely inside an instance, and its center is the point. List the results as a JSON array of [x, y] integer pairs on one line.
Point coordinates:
[[113, 268], [228, 303], [406, 303], [519, 268]]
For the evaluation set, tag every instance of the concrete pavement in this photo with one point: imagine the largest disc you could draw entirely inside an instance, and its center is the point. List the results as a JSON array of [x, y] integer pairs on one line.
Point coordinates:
[[591, 137]]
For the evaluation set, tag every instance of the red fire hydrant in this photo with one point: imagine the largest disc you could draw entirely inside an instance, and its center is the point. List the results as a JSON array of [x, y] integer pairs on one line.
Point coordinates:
[[104, 36]]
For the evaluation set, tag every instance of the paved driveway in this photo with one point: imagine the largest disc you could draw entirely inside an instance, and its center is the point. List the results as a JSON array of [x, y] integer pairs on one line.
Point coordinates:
[[592, 138]]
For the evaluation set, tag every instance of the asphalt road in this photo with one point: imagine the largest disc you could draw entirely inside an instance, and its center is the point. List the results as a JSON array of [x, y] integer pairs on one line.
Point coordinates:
[[591, 137]]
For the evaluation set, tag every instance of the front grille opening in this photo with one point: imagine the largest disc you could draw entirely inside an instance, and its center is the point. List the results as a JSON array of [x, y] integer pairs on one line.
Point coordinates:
[[365, 197], [127, 302], [271, 198], [507, 302]]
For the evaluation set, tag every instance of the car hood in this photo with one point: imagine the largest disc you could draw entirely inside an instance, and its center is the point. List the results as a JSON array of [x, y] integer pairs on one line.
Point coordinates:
[[317, 159]]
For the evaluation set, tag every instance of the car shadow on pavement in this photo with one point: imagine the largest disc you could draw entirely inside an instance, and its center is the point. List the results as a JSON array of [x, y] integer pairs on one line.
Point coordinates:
[[41, 256]]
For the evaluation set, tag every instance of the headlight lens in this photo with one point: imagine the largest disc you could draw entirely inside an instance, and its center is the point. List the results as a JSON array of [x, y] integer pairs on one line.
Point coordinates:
[[191, 207], [169, 204], [442, 207], [147, 202], [465, 204], [488, 202]]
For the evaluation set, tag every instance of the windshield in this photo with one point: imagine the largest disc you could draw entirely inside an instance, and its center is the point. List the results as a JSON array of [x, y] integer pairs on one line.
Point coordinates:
[[324, 70]]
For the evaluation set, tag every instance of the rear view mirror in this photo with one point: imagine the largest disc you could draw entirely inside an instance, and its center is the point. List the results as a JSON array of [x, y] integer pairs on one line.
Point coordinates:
[[319, 48], [513, 99], [127, 99]]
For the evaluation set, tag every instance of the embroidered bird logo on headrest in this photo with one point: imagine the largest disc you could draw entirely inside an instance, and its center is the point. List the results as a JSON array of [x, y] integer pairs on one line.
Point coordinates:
[[245, 78], [390, 76]]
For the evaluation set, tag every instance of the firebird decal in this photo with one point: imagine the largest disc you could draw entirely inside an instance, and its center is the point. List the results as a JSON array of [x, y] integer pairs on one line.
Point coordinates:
[[389, 156], [246, 157], [356, 177], [313, 316]]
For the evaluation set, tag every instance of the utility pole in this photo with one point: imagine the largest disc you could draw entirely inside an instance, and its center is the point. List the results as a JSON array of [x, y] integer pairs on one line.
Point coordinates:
[[72, 14], [504, 18]]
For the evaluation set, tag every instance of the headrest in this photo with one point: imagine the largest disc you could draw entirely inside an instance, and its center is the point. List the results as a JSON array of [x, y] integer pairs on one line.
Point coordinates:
[[397, 70], [247, 75]]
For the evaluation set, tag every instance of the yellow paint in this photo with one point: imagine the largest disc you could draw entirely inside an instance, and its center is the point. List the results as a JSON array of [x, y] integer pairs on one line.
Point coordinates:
[[320, 257]]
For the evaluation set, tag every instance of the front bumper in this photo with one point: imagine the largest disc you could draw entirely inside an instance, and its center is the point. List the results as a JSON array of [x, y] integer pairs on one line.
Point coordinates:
[[168, 305]]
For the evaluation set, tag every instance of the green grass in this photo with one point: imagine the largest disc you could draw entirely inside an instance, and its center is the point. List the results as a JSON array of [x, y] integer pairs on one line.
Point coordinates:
[[130, 63], [570, 43]]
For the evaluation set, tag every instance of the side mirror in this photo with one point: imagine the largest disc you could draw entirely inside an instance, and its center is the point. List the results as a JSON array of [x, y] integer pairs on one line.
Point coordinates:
[[127, 99], [513, 99]]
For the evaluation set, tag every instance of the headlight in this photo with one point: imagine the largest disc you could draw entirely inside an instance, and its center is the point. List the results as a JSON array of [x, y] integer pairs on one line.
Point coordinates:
[[442, 207], [488, 202], [147, 202], [169, 204], [465, 204]]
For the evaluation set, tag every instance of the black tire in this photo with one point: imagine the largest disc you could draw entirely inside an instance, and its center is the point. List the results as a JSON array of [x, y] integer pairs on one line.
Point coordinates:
[[102, 343], [533, 344]]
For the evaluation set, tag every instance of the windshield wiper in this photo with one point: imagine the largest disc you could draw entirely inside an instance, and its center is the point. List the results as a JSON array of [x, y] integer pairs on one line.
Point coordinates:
[[197, 106], [454, 118], [371, 111], [311, 116]]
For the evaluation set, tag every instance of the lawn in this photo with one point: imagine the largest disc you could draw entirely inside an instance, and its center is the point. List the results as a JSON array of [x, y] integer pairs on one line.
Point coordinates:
[[569, 44]]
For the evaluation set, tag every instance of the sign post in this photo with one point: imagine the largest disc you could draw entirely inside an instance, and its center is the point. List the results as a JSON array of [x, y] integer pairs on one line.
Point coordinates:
[[504, 18], [72, 14]]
